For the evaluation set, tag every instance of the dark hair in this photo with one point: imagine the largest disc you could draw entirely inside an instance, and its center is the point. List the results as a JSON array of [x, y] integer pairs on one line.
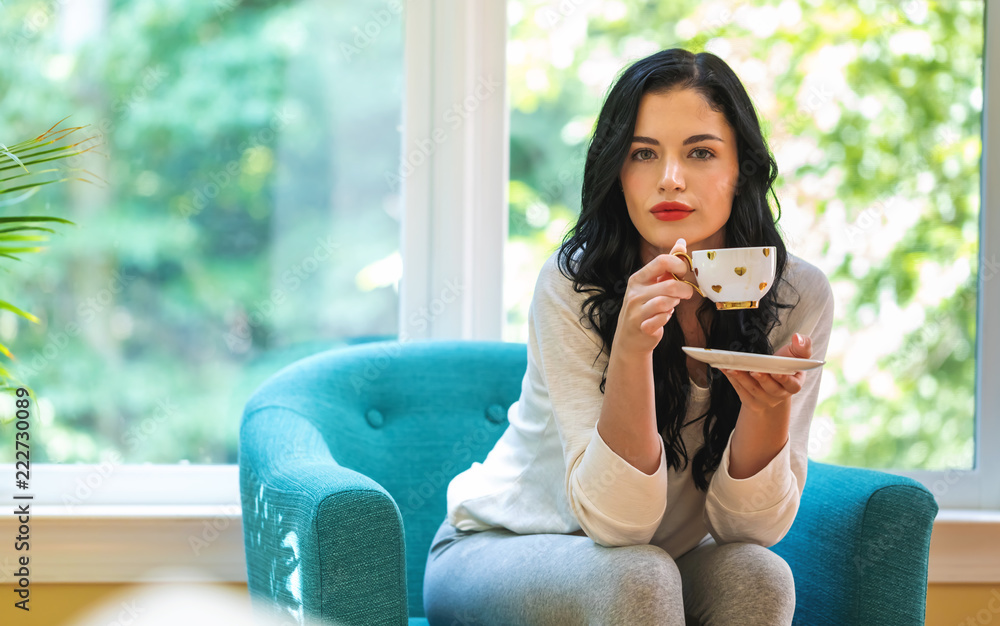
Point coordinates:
[[602, 250]]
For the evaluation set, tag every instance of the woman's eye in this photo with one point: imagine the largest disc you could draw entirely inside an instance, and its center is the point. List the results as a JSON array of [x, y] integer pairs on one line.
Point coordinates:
[[638, 152], [702, 154]]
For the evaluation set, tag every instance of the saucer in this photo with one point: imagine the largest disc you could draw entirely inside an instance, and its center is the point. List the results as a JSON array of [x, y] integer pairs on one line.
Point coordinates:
[[726, 359]]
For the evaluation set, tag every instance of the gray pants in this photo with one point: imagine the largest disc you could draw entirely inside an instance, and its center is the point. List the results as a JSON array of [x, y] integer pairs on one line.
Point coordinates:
[[500, 577]]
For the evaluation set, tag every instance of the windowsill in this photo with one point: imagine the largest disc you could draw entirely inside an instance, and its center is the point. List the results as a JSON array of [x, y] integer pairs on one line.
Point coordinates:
[[965, 547], [204, 543], [130, 543]]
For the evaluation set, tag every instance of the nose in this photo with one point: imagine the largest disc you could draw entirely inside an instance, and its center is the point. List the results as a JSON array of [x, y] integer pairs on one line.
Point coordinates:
[[673, 176]]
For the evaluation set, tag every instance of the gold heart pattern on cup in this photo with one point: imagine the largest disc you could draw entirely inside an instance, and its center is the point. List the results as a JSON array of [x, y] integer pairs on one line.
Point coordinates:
[[716, 288], [740, 270], [711, 256], [767, 252], [763, 286]]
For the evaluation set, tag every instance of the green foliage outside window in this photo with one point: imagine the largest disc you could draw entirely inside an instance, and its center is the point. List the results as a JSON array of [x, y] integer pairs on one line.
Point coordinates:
[[244, 223], [873, 112]]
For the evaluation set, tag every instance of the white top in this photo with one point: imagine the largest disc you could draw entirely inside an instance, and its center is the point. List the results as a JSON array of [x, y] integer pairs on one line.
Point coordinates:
[[551, 472]]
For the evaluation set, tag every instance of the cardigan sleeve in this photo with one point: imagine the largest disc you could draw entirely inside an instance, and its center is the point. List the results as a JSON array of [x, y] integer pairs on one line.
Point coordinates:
[[615, 503], [761, 508]]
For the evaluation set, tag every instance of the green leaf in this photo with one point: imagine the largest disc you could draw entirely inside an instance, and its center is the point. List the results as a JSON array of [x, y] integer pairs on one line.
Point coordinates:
[[14, 229], [13, 309], [35, 218], [12, 156]]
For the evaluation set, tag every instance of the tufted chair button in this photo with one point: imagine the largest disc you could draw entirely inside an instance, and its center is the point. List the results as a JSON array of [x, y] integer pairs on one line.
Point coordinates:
[[375, 419], [496, 414]]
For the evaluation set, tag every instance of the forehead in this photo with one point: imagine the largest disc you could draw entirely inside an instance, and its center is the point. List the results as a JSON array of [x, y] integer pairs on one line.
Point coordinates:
[[679, 112]]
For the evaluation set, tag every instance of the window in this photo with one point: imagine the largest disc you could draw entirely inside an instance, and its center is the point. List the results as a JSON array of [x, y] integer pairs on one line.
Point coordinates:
[[247, 218], [873, 111]]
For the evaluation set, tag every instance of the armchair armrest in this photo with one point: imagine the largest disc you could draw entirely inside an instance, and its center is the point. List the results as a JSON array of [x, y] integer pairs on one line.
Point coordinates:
[[340, 554], [859, 547]]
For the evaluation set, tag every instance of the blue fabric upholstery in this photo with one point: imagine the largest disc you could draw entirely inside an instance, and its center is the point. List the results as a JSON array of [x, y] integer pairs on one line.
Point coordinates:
[[345, 457]]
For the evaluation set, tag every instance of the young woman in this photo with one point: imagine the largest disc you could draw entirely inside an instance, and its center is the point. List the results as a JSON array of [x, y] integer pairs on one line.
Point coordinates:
[[635, 485]]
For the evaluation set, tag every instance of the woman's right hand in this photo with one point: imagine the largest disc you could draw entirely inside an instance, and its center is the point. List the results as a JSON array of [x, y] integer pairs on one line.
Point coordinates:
[[650, 298]]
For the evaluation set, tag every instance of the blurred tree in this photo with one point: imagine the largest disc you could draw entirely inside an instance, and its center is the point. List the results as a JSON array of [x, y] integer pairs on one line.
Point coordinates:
[[245, 210]]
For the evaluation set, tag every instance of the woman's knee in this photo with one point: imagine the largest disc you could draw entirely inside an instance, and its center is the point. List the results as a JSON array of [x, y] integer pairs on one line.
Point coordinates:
[[749, 581], [759, 565], [639, 585]]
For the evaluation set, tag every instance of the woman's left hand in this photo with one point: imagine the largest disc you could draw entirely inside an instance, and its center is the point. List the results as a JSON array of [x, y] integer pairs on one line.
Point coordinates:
[[761, 392]]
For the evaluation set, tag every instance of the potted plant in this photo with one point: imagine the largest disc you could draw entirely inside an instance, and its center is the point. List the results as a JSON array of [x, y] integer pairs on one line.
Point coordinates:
[[25, 168]]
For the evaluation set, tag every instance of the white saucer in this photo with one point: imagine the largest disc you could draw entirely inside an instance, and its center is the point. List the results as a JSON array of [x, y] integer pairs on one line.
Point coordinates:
[[726, 359]]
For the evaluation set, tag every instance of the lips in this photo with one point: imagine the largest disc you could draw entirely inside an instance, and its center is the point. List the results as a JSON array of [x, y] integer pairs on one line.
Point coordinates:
[[671, 211]]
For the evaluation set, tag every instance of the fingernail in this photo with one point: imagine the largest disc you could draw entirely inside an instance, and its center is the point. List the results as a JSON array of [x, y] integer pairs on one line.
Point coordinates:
[[799, 339]]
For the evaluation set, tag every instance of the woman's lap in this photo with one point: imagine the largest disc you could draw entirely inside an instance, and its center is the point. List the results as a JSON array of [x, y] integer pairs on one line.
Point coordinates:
[[500, 577], [737, 583]]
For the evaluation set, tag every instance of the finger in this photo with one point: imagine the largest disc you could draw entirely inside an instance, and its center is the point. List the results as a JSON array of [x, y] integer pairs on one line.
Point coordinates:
[[660, 268], [651, 325], [769, 385], [658, 305], [679, 246], [673, 288], [791, 383], [800, 347], [743, 382]]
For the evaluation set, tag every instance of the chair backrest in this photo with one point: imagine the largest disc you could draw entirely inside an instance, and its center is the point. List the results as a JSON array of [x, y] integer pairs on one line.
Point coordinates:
[[411, 416]]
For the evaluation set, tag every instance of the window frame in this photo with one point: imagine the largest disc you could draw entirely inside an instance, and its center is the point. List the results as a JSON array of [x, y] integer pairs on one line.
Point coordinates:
[[973, 489], [120, 516]]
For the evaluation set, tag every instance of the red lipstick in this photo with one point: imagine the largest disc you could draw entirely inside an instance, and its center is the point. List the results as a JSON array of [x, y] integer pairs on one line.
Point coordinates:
[[671, 211]]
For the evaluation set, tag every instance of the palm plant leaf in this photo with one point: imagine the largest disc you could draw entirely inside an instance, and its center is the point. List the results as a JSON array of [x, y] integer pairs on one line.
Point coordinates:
[[34, 218], [20, 178], [13, 309]]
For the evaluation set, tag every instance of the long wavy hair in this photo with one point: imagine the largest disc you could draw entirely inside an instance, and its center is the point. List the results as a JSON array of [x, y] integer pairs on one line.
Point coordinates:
[[602, 251]]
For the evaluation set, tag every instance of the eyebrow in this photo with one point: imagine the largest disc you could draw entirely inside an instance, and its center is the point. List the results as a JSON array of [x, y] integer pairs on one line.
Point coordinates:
[[690, 140]]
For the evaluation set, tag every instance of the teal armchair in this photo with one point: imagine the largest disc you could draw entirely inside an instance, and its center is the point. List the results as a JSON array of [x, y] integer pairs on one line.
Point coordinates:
[[345, 458]]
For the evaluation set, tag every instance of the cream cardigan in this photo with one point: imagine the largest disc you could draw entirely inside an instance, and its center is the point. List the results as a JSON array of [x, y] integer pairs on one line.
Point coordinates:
[[551, 472]]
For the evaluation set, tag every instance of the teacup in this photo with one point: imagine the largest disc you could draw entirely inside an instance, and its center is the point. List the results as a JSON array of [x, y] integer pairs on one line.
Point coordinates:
[[732, 278]]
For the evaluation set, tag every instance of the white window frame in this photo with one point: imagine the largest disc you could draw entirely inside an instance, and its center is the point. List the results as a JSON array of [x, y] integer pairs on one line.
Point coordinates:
[[979, 488], [111, 526]]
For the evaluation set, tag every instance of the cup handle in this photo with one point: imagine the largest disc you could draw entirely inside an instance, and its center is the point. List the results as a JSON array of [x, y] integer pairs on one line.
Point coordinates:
[[690, 265]]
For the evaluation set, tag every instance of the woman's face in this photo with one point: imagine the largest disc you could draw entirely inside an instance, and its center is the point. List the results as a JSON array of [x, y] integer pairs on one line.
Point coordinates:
[[682, 152]]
